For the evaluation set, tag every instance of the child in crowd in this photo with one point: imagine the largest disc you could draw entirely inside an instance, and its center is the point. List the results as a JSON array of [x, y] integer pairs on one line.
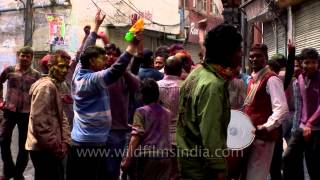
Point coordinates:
[[150, 142]]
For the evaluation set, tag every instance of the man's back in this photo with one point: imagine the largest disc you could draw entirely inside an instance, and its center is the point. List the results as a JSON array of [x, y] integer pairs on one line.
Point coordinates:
[[150, 73], [169, 88], [204, 113]]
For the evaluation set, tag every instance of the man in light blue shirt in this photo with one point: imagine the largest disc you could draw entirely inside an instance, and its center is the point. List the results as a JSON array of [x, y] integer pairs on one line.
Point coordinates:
[[92, 115]]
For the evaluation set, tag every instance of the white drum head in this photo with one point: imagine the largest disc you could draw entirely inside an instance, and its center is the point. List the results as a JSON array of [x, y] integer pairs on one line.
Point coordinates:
[[240, 131]]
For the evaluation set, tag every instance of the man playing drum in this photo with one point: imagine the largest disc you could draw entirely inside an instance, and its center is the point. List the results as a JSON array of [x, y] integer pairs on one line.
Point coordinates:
[[266, 106]]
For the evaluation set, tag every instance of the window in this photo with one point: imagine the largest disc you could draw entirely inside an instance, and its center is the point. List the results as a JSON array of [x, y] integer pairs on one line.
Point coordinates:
[[211, 6], [204, 5], [199, 5], [186, 4]]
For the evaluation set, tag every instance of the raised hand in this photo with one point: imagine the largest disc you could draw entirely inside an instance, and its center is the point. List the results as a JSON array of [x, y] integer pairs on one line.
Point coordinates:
[[98, 20], [291, 46]]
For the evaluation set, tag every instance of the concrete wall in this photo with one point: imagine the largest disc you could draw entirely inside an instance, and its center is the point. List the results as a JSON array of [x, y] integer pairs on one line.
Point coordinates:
[[80, 13]]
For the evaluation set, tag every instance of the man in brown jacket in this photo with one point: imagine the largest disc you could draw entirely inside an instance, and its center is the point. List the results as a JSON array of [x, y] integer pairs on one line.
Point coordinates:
[[48, 136]]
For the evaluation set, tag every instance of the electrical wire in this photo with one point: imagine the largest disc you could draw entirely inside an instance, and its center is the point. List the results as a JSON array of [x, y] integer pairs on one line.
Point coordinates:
[[114, 19], [118, 10], [135, 9]]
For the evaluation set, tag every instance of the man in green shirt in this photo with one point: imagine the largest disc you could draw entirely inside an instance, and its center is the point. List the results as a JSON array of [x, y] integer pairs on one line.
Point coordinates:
[[204, 108]]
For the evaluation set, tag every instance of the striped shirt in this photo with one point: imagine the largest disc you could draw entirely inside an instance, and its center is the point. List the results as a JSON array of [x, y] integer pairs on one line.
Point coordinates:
[[92, 115], [169, 88]]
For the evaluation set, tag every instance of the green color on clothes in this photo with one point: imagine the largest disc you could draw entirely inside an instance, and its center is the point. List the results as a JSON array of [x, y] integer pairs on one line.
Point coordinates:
[[204, 114]]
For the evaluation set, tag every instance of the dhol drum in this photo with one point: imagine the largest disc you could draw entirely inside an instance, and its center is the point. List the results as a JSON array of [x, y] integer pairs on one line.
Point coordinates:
[[240, 131]]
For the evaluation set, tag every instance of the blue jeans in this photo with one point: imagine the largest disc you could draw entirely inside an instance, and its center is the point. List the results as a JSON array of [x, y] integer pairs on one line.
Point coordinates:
[[116, 143]]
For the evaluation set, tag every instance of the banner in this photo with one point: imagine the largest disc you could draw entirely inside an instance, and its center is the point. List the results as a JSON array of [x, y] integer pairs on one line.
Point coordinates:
[[56, 29]]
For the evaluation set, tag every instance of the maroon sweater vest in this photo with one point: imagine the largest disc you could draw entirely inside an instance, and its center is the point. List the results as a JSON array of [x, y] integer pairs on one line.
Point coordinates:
[[260, 109]]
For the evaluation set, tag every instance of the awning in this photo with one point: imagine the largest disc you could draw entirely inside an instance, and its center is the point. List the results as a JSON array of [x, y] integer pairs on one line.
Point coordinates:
[[257, 10], [286, 3]]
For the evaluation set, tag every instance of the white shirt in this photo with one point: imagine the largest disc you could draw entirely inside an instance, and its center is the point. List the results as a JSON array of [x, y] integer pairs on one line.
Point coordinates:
[[278, 101]]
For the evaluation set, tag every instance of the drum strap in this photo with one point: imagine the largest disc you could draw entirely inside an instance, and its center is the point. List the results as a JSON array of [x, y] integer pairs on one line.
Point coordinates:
[[254, 86]]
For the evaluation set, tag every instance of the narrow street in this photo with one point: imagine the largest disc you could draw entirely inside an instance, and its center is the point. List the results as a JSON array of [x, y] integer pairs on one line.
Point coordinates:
[[29, 172]]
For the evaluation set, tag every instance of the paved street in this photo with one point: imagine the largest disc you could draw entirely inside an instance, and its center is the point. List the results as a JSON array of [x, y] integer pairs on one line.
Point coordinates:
[[29, 172]]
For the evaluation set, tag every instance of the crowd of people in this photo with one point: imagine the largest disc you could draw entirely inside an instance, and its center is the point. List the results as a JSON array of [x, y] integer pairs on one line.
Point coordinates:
[[144, 115]]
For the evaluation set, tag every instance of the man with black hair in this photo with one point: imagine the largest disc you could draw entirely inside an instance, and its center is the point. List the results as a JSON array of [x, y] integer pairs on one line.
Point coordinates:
[[48, 131], [204, 107], [119, 101], [92, 115], [161, 54], [146, 69], [267, 107], [305, 139], [150, 136], [159, 61], [112, 52], [16, 108]]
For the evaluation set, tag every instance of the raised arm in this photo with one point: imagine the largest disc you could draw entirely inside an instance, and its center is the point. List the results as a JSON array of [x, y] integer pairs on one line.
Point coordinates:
[[119, 67], [290, 65]]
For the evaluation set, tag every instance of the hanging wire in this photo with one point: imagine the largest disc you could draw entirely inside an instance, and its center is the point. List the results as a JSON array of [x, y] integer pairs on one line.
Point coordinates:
[[118, 10], [116, 20], [135, 9]]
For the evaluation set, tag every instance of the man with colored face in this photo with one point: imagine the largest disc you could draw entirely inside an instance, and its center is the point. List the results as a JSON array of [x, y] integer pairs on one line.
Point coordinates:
[[48, 131], [305, 139], [16, 108], [266, 105]]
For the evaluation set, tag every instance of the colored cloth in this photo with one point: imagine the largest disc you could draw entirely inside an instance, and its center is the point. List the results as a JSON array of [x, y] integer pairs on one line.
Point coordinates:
[[204, 114], [169, 88], [237, 92], [65, 93], [92, 114], [149, 73], [18, 86], [119, 99], [48, 126], [151, 122], [310, 95], [267, 106], [274, 88], [259, 159]]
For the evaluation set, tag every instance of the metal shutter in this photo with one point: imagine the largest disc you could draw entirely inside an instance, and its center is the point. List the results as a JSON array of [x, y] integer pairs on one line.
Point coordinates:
[[307, 25], [270, 40], [282, 39]]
